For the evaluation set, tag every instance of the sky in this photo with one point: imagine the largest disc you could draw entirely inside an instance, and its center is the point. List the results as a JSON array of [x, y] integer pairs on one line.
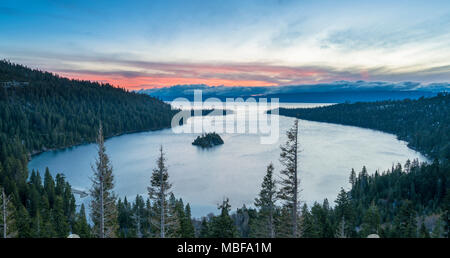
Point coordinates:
[[150, 44]]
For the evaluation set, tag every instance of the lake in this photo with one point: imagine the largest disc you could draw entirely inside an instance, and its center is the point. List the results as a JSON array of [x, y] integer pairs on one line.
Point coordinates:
[[203, 177]]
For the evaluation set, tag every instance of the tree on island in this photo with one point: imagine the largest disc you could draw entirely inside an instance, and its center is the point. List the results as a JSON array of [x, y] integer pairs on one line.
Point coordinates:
[[208, 140]]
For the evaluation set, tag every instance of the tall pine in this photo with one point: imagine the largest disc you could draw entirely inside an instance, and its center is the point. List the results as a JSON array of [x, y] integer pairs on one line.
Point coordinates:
[[266, 203], [290, 181], [81, 226], [222, 226], [159, 191], [103, 205], [345, 214]]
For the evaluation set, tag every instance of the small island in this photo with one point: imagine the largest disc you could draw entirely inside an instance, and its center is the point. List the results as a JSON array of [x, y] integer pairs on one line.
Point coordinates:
[[208, 140]]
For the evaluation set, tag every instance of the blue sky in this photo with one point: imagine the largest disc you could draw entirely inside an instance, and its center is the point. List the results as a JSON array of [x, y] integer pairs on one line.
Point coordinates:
[[142, 44]]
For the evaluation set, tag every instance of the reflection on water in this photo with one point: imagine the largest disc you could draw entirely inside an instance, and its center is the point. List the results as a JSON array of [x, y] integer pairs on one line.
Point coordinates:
[[203, 177]]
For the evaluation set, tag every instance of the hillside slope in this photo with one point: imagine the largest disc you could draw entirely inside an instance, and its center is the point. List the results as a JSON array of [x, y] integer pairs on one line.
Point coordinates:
[[41, 111], [423, 123], [45, 111]]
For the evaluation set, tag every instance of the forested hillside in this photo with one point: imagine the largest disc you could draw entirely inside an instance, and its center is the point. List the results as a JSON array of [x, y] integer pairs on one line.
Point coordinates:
[[45, 111], [408, 201], [41, 111], [423, 123]]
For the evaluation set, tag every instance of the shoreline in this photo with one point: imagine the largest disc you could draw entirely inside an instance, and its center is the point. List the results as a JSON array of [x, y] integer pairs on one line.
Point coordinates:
[[37, 153]]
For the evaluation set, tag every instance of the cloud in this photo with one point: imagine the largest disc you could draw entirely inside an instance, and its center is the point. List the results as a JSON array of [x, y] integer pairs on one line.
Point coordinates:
[[141, 74], [137, 74], [232, 43], [395, 37], [230, 74], [338, 86]]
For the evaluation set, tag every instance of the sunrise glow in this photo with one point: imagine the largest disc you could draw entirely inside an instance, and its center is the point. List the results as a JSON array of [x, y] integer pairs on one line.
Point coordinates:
[[232, 43]]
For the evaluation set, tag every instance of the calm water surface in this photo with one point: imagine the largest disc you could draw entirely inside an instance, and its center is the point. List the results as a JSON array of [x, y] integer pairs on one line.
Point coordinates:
[[234, 170]]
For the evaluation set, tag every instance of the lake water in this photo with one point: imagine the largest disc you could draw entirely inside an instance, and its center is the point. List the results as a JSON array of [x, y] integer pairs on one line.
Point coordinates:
[[236, 169]]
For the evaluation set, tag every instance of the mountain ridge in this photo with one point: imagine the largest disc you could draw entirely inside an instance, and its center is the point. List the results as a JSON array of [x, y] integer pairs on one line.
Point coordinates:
[[337, 92]]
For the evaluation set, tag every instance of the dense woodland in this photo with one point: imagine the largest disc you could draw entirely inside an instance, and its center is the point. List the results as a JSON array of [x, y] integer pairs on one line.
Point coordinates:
[[423, 123], [52, 112], [41, 111], [420, 191]]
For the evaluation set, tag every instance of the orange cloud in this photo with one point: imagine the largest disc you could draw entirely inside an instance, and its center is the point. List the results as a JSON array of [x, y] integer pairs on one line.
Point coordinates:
[[137, 75], [156, 82]]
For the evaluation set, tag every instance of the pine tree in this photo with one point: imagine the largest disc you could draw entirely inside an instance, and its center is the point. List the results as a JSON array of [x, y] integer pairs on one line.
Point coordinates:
[[248, 224], [139, 216], [371, 221], [59, 219], [23, 223], [81, 226], [424, 233], [266, 203], [103, 205], [188, 228], [322, 226], [363, 179], [44, 224], [49, 187], [307, 223], [328, 229], [147, 225], [437, 230], [126, 219], [406, 224], [290, 181], [340, 232], [352, 179], [204, 229], [7, 215], [283, 222], [446, 214], [175, 217], [69, 204], [159, 191], [344, 213], [222, 226]]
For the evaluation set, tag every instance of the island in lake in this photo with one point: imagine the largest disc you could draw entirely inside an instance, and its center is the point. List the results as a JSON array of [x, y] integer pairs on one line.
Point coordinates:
[[208, 140]]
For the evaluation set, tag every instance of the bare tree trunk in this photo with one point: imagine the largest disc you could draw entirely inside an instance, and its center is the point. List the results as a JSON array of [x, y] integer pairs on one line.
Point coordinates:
[[138, 233], [294, 213], [342, 228], [163, 235], [102, 210], [271, 230]]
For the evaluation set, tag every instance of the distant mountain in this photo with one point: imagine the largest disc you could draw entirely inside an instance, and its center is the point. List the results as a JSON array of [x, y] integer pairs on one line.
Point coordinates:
[[337, 92]]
